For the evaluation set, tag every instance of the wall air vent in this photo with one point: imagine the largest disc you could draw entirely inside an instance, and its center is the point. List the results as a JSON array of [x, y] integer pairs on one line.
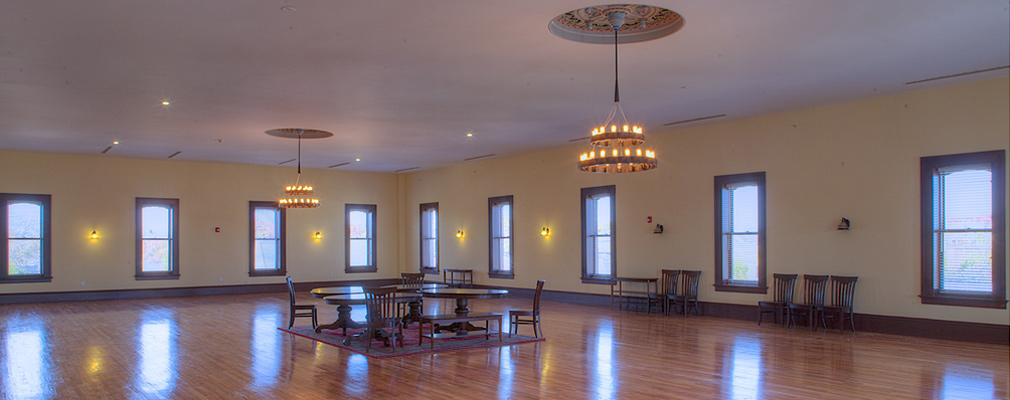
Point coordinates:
[[694, 120], [957, 75], [175, 154]]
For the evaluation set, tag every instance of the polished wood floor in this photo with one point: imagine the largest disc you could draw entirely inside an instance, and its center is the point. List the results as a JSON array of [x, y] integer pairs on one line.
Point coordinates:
[[229, 347]]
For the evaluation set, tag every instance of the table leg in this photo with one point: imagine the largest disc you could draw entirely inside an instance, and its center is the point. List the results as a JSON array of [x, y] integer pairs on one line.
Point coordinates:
[[343, 321], [413, 312]]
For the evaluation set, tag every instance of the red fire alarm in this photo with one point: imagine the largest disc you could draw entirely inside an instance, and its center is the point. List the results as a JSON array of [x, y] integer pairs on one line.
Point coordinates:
[[648, 219], [218, 229]]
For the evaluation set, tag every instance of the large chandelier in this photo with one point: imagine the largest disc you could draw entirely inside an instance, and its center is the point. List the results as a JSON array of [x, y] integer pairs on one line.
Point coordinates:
[[298, 195], [616, 143]]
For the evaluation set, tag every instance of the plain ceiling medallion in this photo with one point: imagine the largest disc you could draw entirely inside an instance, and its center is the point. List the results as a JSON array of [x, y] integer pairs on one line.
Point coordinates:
[[616, 143], [299, 196]]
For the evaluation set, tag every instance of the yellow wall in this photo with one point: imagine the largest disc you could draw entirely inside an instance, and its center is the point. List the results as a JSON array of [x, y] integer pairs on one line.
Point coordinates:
[[98, 193], [858, 160]]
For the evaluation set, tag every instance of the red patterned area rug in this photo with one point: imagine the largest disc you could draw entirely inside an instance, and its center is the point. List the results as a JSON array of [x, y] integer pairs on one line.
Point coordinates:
[[410, 345]]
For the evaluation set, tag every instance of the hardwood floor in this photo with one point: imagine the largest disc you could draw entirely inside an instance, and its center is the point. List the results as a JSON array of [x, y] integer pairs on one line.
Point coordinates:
[[229, 347]]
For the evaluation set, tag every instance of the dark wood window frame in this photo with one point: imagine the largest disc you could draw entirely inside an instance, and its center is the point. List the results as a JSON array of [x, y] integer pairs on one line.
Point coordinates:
[[425, 207], [491, 203], [46, 267], [282, 268], [173, 272], [371, 209], [928, 167], [585, 195], [722, 283]]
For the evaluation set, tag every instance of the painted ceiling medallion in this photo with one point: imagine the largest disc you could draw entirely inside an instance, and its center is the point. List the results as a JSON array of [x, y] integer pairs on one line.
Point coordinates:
[[594, 25]]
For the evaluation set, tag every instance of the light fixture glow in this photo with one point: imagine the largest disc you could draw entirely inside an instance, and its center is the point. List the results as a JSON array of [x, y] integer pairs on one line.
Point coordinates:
[[545, 232], [94, 235], [469, 134], [300, 196], [459, 234], [166, 103], [357, 160], [115, 142], [318, 235], [621, 134]]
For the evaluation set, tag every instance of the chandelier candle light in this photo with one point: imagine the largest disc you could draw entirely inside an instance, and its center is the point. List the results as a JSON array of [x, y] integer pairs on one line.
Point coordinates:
[[299, 196], [616, 142]]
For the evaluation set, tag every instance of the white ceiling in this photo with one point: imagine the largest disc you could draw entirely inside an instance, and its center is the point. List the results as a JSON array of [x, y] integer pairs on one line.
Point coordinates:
[[400, 83]]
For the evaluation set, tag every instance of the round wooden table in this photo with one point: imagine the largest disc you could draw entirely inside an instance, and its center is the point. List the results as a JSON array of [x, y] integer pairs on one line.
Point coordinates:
[[344, 306], [344, 320]]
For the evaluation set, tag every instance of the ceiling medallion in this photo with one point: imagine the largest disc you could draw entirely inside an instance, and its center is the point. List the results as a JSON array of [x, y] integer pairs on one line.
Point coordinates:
[[619, 139], [299, 196]]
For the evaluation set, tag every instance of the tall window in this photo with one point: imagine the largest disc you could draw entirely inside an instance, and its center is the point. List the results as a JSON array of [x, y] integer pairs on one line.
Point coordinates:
[[599, 242], [360, 247], [740, 233], [429, 238], [500, 237], [266, 239], [963, 229], [157, 238], [26, 241]]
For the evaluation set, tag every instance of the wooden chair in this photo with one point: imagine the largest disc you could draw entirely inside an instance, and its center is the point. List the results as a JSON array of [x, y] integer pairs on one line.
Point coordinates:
[[785, 285], [532, 317], [813, 299], [689, 298], [381, 314], [410, 280], [668, 280], [843, 290], [296, 309]]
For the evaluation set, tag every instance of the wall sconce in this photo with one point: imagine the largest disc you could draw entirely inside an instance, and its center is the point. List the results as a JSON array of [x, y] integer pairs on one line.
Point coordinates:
[[94, 235], [843, 225], [459, 233], [545, 232], [659, 229], [318, 235]]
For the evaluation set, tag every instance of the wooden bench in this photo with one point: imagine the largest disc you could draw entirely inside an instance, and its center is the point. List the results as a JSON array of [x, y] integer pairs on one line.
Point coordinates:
[[463, 325], [458, 277]]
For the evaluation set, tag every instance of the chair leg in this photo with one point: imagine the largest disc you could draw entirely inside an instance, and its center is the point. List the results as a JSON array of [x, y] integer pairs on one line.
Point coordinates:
[[536, 331], [291, 319], [761, 314], [315, 319]]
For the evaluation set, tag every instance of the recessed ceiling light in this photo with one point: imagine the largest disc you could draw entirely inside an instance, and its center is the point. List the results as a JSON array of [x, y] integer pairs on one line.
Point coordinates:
[[287, 9], [469, 134], [166, 103], [357, 160], [115, 142]]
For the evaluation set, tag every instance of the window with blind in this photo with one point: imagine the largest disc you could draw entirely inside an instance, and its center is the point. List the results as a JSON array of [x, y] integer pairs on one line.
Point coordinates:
[[26, 238], [740, 233], [157, 250], [429, 238], [500, 237], [963, 232], [266, 239], [599, 241], [360, 244]]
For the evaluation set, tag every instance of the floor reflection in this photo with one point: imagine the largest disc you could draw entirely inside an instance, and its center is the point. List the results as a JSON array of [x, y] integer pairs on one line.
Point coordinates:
[[964, 382], [265, 349], [602, 346], [157, 353], [745, 369], [25, 363], [505, 372]]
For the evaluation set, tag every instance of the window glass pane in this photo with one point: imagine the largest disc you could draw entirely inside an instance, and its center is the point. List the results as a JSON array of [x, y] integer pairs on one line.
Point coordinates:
[[505, 213], [967, 199], [602, 255], [156, 222], [967, 262], [267, 223], [24, 220], [265, 254], [506, 254], [359, 224], [155, 255], [602, 215], [359, 252], [744, 258], [24, 257], [431, 253], [744, 211]]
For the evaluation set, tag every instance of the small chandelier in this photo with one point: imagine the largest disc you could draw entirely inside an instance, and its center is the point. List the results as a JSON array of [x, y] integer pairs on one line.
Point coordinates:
[[616, 142], [299, 196]]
